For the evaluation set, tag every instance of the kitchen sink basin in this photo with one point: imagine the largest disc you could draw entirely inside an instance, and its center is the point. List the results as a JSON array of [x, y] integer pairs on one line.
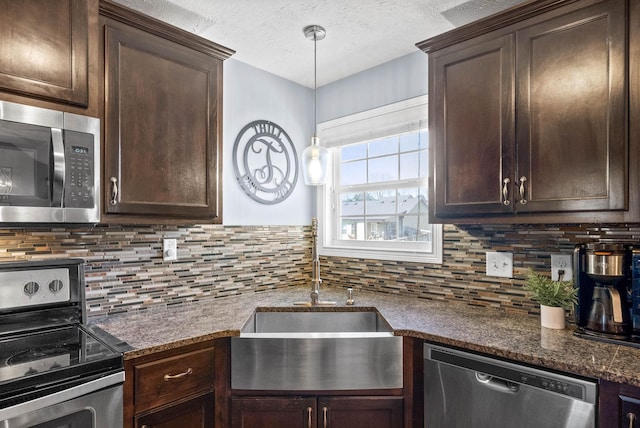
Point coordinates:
[[325, 324], [300, 350]]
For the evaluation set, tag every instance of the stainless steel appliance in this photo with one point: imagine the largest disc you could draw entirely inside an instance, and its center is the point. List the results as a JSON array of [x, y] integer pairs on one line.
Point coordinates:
[[49, 166], [55, 370], [635, 295], [468, 390], [607, 304]]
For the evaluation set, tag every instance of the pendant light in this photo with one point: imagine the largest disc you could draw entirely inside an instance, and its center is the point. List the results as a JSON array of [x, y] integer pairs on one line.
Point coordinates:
[[315, 158]]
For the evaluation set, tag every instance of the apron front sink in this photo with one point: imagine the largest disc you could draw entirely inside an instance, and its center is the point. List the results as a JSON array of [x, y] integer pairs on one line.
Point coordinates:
[[316, 350]]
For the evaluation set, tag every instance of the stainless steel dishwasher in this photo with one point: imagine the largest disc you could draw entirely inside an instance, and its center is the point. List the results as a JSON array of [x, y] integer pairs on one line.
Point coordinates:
[[468, 390]]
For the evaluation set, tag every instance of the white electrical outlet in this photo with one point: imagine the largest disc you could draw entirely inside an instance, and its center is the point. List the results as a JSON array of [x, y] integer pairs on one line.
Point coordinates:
[[561, 262], [169, 249], [500, 264]]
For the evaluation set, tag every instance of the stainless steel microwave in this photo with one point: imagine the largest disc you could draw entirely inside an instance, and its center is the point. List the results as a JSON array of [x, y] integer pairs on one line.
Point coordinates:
[[49, 166]]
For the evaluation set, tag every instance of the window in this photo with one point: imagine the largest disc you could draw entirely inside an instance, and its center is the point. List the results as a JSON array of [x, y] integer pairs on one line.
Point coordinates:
[[376, 204]]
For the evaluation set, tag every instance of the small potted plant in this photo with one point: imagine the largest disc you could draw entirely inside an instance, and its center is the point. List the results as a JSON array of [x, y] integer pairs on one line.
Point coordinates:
[[554, 297]]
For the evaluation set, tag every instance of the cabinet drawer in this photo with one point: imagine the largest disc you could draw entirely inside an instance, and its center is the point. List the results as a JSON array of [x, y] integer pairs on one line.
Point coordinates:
[[192, 413], [162, 381]]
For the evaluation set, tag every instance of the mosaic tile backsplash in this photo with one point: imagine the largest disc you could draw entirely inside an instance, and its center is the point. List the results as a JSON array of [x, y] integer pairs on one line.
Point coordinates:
[[125, 270], [462, 276]]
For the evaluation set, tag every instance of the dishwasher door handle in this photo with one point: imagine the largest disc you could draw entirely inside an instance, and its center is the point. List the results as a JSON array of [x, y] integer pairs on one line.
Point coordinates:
[[497, 384]]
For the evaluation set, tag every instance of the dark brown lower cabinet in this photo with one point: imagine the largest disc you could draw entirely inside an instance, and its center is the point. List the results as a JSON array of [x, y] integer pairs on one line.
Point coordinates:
[[175, 388], [619, 406], [360, 412], [314, 412], [273, 412], [194, 412]]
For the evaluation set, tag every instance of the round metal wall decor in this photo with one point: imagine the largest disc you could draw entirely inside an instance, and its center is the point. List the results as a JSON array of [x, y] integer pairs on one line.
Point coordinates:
[[265, 162]]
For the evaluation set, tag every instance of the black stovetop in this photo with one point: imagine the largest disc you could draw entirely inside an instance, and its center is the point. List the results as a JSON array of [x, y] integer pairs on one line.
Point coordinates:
[[42, 362]]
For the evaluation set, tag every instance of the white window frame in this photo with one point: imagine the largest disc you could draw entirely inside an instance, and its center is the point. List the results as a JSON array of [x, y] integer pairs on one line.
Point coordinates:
[[401, 117]]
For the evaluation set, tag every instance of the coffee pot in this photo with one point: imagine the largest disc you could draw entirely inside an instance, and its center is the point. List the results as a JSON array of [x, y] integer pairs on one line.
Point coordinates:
[[607, 313], [603, 281]]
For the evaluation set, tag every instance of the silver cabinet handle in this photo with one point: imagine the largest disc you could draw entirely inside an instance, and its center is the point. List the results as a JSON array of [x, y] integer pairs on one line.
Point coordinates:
[[309, 412], [632, 419], [114, 190], [168, 377], [505, 192], [324, 417], [523, 201]]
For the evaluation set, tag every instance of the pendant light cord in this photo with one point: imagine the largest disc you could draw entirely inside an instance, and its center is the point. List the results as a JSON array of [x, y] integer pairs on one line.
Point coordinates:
[[315, 32], [315, 82]]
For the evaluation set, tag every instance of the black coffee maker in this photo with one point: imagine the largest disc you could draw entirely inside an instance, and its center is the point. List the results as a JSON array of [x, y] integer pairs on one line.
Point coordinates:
[[603, 279]]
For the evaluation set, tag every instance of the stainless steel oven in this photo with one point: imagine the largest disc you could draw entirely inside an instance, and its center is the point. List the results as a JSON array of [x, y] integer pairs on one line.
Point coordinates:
[[55, 371], [49, 166], [95, 404]]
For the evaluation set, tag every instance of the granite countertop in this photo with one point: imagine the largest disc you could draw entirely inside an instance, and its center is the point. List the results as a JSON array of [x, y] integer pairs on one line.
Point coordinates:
[[491, 331]]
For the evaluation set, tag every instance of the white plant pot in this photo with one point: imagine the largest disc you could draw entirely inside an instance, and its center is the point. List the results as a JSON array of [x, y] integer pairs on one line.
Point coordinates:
[[552, 317]]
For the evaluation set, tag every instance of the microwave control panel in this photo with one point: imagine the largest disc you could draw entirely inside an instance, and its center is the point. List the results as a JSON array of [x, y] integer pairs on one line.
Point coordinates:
[[79, 170]]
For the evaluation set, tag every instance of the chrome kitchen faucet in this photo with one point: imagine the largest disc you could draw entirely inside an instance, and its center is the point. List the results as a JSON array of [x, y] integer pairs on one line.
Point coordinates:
[[315, 271]]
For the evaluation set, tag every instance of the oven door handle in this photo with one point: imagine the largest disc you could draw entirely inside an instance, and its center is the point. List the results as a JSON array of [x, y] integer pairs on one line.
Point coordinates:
[[61, 396], [58, 167]]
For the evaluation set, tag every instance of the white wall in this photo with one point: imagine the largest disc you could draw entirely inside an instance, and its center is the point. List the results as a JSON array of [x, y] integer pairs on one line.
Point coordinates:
[[393, 81], [252, 94]]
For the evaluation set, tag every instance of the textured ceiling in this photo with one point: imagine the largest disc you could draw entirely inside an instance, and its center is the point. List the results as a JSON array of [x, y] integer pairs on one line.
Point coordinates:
[[267, 34]]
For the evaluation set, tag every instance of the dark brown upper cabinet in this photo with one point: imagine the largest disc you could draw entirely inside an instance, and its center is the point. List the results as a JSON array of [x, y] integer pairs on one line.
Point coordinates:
[[571, 111], [44, 49], [162, 121], [529, 116], [472, 127]]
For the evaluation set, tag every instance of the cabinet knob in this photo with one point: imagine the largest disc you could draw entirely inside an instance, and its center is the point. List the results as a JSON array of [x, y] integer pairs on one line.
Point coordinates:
[[632, 419], [114, 190], [324, 417], [309, 413]]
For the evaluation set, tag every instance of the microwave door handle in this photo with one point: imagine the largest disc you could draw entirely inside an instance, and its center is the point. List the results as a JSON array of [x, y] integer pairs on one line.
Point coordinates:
[[58, 167]]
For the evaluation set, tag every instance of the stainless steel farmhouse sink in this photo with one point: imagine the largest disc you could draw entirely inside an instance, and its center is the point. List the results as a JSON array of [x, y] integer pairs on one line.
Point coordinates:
[[298, 350], [331, 323]]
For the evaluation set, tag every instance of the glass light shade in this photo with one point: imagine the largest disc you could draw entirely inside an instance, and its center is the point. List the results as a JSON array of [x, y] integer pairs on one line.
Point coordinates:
[[315, 159]]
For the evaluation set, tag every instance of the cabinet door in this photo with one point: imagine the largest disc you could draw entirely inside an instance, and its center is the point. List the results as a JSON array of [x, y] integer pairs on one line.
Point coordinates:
[[360, 412], [471, 126], [44, 49], [193, 413], [619, 406], [162, 127], [273, 412], [629, 416], [571, 101]]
